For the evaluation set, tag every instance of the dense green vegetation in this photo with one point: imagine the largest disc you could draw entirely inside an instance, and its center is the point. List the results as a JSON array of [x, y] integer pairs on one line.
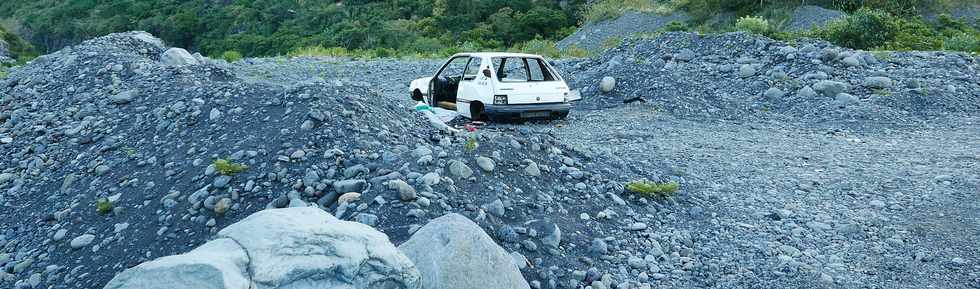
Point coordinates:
[[17, 47], [266, 27], [871, 25], [232, 29]]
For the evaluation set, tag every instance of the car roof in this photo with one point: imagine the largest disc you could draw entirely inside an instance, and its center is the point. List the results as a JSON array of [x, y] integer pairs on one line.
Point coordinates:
[[497, 54]]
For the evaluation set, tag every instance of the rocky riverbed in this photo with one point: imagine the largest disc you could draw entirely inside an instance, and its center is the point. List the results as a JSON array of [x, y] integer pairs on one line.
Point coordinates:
[[800, 164]]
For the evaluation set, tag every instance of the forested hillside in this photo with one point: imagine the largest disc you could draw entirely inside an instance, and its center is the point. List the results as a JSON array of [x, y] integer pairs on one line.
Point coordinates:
[[271, 27], [427, 28]]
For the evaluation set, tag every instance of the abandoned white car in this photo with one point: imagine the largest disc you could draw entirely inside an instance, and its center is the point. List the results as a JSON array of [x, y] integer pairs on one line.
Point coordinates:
[[497, 86]]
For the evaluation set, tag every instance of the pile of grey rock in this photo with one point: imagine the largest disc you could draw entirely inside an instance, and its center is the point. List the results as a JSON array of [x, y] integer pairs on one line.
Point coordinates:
[[743, 76], [118, 152]]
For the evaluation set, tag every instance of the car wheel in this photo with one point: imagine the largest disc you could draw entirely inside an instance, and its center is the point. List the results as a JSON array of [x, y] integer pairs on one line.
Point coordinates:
[[477, 111], [417, 95]]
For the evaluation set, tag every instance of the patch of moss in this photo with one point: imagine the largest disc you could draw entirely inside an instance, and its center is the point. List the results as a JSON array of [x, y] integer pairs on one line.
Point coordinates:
[[228, 168], [651, 189]]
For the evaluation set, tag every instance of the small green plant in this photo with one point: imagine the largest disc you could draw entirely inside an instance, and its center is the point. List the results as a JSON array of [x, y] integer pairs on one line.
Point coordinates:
[[103, 206], [228, 168], [651, 189], [129, 151], [752, 24], [962, 42], [3, 72], [611, 42], [881, 92], [471, 144], [231, 56]]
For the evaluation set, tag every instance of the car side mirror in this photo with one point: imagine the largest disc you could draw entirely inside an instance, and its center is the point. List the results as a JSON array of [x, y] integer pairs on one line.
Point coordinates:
[[486, 72]]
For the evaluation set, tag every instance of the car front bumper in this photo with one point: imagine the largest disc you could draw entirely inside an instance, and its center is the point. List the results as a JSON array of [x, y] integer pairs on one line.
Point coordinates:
[[543, 110]]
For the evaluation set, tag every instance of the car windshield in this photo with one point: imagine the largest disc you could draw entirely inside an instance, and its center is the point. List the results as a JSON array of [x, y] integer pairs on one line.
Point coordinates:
[[521, 69]]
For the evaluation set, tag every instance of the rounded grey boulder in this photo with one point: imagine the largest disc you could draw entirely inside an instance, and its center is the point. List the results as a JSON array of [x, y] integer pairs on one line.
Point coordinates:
[[607, 84], [452, 252]]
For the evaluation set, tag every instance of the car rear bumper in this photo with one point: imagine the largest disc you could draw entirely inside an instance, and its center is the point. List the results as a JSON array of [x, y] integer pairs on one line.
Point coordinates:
[[543, 110]]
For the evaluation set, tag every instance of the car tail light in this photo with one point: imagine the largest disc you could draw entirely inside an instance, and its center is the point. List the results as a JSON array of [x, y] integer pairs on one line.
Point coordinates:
[[500, 99]]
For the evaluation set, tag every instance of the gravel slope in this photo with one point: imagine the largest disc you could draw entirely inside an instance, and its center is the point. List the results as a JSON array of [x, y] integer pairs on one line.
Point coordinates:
[[806, 194]]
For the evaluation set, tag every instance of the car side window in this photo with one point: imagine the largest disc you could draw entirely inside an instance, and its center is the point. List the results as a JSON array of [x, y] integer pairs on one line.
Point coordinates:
[[534, 65], [455, 67], [511, 69], [473, 68]]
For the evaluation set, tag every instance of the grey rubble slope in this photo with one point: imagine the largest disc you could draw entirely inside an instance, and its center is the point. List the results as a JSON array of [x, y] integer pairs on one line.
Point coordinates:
[[593, 36], [696, 76], [105, 119]]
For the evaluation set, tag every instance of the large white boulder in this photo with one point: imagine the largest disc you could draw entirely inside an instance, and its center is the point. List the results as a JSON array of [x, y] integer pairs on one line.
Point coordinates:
[[219, 264], [305, 247], [452, 252], [178, 57], [292, 248]]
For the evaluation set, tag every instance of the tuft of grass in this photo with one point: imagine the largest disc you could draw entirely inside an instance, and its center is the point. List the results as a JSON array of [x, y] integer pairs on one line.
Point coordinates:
[[103, 206], [320, 51], [228, 168], [231, 56], [611, 42], [753, 24], [651, 189], [611, 9], [574, 52], [3, 72]]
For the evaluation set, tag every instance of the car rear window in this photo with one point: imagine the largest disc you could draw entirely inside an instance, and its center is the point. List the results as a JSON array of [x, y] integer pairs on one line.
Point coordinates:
[[521, 69]]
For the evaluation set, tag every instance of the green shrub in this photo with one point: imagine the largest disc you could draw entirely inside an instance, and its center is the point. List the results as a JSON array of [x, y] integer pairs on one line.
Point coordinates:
[[757, 25], [540, 47], [3, 72], [962, 42], [228, 168], [103, 206], [231, 56], [650, 189], [914, 34], [865, 29], [675, 26]]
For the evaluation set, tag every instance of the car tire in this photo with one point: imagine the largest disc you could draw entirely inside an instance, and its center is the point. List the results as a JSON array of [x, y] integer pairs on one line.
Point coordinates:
[[477, 111], [417, 95]]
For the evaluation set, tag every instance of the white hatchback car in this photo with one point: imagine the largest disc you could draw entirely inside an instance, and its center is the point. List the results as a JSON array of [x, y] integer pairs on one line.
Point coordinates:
[[497, 85]]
